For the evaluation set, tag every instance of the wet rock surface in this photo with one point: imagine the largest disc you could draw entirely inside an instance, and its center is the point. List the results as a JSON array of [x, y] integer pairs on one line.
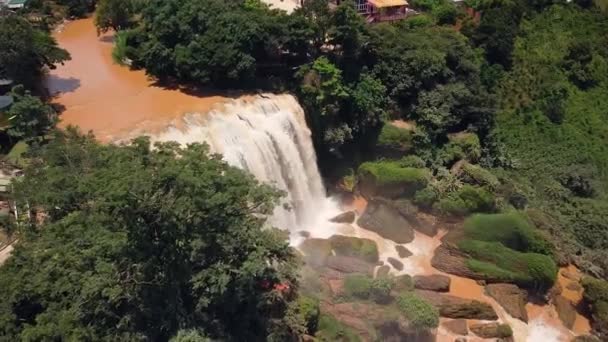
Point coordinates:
[[457, 326], [364, 249], [316, 251], [511, 298], [386, 222], [434, 282], [346, 217], [450, 260], [383, 271], [490, 330]]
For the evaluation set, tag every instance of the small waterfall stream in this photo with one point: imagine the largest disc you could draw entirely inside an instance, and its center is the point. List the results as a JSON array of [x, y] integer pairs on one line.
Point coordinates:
[[266, 135]]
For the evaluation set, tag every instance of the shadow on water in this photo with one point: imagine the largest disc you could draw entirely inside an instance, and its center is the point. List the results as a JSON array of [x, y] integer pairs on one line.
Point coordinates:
[[63, 85]]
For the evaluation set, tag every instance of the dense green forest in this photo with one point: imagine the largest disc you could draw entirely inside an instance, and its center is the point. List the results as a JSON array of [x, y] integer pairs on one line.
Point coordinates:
[[506, 126]]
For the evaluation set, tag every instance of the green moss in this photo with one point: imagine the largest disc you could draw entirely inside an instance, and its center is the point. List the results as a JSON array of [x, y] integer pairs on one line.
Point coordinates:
[[492, 260], [331, 330], [510, 229], [404, 283], [394, 137], [357, 286], [365, 249], [387, 173], [412, 161], [418, 312], [468, 199]]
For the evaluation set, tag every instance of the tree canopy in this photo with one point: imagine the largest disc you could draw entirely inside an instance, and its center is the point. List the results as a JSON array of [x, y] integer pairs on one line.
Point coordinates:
[[140, 241]]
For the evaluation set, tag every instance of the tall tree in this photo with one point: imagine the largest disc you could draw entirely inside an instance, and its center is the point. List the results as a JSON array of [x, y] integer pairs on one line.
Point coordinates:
[[141, 242], [114, 14], [26, 51]]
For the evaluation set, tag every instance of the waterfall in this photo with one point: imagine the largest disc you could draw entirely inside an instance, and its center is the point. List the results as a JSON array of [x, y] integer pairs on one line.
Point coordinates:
[[266, 135]]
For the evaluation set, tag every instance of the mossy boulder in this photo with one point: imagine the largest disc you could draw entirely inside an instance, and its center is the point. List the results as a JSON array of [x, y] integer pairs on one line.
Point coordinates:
[[466, 200], [316, 251], [349, 265], [387, 222], [456, 307], [420, 313], [393, 141], [389, 179], [383, 271], [403, 282], [457, 326], [364, 249], [477, 175]]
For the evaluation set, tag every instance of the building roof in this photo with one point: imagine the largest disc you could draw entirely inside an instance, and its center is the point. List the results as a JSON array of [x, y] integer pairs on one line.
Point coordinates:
[[16, 3], [387, 3]]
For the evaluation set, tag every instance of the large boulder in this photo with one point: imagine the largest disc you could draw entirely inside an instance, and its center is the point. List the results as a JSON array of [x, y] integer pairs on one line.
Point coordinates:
[[419, 221], [346, 217], [398, 265], [457, 326], [389, 179], [316, 251], [403, 282], [346, 264], [364, 249], [491, 330], [456, 307], [450, 260], [434, 282], [387, 222], [382, 271], [403, 252], [565, 311], [511, 298]]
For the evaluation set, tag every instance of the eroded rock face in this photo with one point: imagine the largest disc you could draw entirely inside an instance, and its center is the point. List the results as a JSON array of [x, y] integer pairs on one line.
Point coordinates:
[[347, 217], [511, 298], [403, 252], [387, 222], [434, 282], [349, 265], [456, 307], [398, 265], [450, 260], [457, 326], [364, 249], [565, 310]]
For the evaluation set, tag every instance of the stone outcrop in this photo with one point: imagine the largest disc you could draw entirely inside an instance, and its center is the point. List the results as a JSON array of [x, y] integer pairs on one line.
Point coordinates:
[[457, 326], [349, 265], [403, 252], [491, 330], [511, 298], [387, 222], [404, 283], [434, 282], [456, 307], [346, 217], [398, 265], [565, 311]]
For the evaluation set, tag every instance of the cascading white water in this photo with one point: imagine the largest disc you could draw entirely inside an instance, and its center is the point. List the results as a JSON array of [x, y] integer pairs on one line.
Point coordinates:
[[266, 135]]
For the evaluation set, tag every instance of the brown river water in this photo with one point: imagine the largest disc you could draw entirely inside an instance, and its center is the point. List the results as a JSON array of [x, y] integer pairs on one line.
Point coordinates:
[[107, 98], [115, 102]]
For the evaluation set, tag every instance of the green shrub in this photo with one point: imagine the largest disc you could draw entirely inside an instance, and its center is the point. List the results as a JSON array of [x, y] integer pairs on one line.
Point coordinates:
[[394, 137], [380, 291], [426, 197], [492, 260], [309, 312], [445, 14], [357, 286], [504, 331], [469, 144], [365, 249], [331, 330], [477, 175], [596, 290], [510, 229], [421, 20], [418, 312]]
